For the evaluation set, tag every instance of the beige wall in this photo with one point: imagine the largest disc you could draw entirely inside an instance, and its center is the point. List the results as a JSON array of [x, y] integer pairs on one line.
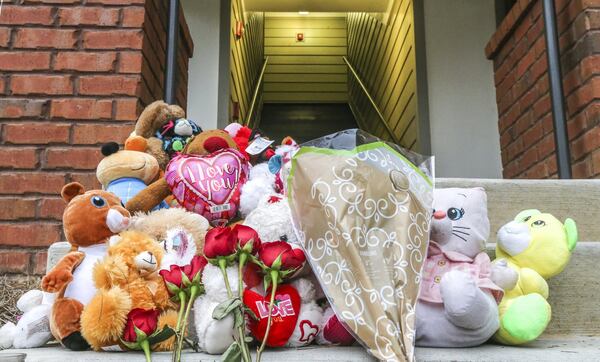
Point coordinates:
[[462, 105], [384, 57], [308, 71]]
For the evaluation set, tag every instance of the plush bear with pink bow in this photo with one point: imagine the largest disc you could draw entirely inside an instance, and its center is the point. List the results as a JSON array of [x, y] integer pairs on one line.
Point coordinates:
[[460, 288]]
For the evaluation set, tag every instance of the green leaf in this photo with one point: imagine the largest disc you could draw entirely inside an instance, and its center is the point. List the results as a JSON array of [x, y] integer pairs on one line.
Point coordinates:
[[173, 289], [185, 280], [249, 246], [238, 318], [223, 309], [162, 335], [140, 334], [134, 346], [232, 354], [251, 313], [277, 263]]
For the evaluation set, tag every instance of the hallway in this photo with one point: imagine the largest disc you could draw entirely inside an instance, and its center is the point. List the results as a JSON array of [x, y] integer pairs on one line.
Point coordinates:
[[305, 121]]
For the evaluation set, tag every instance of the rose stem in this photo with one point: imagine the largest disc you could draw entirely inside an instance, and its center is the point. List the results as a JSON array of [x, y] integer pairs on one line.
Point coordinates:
[[178, 333], [223, 267], [274, 280], [241, 332], [193, 294], [146, 348]]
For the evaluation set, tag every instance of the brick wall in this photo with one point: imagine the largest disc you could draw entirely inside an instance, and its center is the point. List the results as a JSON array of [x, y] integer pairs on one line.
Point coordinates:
[[518, 51], [73, 75]]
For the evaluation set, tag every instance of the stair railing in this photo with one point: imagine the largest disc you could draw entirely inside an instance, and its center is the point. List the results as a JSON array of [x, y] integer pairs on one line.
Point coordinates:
[[370, 98], [250, 118]]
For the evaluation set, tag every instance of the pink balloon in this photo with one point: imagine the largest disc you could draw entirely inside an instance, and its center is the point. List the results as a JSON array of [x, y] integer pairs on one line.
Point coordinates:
[[209, 185]]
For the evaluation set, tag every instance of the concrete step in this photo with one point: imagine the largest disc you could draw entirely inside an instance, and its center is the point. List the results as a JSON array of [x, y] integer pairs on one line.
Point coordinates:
[[558, 348]]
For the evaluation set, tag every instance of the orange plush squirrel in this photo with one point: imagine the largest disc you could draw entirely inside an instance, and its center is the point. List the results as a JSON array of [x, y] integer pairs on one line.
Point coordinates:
[[89, 220]]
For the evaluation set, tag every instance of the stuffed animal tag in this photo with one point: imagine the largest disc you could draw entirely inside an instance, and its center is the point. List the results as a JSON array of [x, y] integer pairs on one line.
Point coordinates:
[[284, 317]]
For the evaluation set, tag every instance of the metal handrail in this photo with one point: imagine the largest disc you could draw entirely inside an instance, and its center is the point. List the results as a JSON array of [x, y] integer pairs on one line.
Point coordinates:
[[364, 88], [255, 94]]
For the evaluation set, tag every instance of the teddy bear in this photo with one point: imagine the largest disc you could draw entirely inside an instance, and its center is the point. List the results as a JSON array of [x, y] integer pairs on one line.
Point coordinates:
[[253, 144], [89, 220], [537, 246], [208, 184], [460, 288], [150, 121], [159, 223], [33, 327], [125, 173], [127, 279]]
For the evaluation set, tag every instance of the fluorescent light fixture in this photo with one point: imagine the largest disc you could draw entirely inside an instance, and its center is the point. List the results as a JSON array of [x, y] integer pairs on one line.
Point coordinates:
[[303, 12]]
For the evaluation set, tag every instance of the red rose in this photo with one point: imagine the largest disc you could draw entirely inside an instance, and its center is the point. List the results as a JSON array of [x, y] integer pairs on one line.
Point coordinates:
[[290, 258], [196, 266], [172, 276], [144, 320], [243, 234], [219, 242]]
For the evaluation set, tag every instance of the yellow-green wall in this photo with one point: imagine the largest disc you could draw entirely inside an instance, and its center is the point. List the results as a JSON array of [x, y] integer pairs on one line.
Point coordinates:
[[246, 57], [308, 71], [383, 55]]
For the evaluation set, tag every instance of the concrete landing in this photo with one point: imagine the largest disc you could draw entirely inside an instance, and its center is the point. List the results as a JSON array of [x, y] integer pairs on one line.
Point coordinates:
[[551, 348]]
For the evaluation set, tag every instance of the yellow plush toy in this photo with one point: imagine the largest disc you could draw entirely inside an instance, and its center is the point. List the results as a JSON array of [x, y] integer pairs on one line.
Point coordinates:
[[537, 246], [127, 279]]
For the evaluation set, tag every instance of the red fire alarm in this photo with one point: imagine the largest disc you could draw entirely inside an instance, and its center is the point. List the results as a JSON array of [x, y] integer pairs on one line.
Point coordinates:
[[239, 29], [300, 36]]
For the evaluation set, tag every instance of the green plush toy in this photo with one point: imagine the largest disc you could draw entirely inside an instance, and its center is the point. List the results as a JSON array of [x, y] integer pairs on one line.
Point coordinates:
[[538, 246]]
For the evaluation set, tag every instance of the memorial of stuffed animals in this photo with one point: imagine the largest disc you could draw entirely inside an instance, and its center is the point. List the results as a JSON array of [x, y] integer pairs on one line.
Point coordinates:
[[299, 180]]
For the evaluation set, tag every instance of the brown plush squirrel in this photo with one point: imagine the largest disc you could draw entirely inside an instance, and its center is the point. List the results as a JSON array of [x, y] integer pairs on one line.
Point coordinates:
[[205, 143]]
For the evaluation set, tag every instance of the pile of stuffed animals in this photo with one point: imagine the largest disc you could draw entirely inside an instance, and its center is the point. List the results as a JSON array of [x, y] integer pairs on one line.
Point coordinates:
[[173, 182]]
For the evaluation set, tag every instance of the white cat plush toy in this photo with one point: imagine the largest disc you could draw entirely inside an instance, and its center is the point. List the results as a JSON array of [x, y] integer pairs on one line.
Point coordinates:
[[461, 288]]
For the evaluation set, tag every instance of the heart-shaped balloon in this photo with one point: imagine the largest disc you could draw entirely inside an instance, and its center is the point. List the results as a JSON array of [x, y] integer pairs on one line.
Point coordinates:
[[284, 316], [208, 185]]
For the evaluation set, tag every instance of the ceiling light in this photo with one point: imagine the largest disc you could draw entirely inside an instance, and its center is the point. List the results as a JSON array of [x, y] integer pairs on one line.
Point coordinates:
[[302, 12]]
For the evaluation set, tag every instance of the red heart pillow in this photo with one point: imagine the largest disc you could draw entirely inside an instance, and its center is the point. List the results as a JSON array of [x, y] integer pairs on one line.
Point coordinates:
[[284, 317]]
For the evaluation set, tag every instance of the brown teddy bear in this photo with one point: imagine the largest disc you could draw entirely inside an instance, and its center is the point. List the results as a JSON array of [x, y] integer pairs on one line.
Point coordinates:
[[152, 119], [89, 220], [127, 279], [204, 143]]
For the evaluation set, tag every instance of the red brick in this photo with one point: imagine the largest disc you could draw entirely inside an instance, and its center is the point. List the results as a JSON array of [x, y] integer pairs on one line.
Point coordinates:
[[576, 125], [36, 133], [34, 234], [4, 37], [53, 1], [31, 182], [99, 133], [52, 208], [583, 95], [39, 263], [85, 61], [109, 85], [582, 169], [75, 158], [127, 109], [87, 179], [18, 158], [585, 144], [112, 39], [537, 171], [41, 84], [88, 16], [12, 261], [525, 63], [23, 61], [17, 108], [533, 134], [14, 208], [130, 62], [542, 107], [545, 147], [26, 15], [571, 81], [596, 163], [45, 38], [589, 66], [529, 158], [81, 108], [133, 17]]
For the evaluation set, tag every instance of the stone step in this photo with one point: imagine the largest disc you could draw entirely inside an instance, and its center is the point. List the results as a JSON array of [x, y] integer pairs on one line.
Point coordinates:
[[555, 349]]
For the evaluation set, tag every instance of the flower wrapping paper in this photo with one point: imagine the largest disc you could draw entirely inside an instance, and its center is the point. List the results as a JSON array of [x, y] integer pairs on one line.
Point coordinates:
[[362, 212]]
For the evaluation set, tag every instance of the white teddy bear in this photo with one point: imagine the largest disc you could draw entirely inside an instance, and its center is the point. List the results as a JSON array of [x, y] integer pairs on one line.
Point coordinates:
[[33, 328]]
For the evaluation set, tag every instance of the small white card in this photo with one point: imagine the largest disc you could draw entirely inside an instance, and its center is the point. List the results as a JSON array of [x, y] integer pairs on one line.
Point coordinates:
[[258, 146]]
